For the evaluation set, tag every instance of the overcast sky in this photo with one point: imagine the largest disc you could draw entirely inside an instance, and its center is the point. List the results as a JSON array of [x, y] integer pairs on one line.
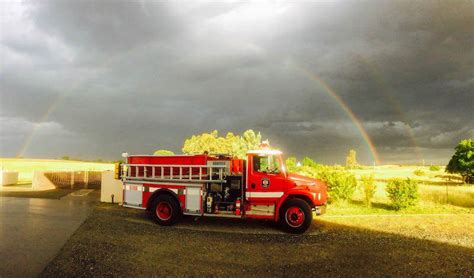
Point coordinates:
[[91, 79]]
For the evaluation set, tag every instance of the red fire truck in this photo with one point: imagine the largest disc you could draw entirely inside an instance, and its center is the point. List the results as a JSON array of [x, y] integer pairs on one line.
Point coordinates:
[[221, 186]]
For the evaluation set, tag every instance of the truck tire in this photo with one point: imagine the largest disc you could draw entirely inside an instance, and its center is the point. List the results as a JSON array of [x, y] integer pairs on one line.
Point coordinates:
[[165, 210], [295, 216]]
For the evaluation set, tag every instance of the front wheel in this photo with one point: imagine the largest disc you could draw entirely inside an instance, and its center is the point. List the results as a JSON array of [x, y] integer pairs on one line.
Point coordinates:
[[295, 216], [165, 210]]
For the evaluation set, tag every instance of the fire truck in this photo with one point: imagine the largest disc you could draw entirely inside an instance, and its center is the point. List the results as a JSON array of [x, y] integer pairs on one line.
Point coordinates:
[[258, 187]]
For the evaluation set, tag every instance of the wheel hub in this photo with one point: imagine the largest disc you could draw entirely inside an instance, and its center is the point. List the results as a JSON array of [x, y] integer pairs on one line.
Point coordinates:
[[294, 217], [164, 211]]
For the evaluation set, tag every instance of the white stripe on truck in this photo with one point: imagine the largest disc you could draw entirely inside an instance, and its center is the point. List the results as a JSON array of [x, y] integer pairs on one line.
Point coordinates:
[[263, 194]]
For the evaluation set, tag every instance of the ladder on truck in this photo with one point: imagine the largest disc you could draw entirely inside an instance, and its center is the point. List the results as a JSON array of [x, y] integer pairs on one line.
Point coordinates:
[[175, 173]]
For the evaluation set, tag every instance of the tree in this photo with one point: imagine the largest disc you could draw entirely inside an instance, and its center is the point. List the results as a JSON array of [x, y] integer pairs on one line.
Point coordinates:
[[309, 162], [204, 143], [462, 162], [351, 160], [368, 187], [212, 143], [163, 152], [291, 164], [251, 140]]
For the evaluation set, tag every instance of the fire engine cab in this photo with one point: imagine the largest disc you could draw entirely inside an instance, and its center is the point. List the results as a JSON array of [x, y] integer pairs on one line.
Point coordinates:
[[221, 186]]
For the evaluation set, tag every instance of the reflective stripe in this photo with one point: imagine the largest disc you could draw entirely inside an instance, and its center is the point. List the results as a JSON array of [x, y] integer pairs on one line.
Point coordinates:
[[263, 194], [192, 191], [137, 187], [150, 189], [153, 189]]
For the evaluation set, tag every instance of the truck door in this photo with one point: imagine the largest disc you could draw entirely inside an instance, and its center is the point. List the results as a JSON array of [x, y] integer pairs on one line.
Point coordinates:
[[266, 180]]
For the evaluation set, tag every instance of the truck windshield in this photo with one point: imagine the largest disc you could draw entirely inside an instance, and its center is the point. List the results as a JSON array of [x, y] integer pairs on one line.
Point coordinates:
[[266, 164]]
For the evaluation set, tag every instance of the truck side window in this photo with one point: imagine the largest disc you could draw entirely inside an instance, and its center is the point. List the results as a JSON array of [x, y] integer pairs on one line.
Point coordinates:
[[266, 164]]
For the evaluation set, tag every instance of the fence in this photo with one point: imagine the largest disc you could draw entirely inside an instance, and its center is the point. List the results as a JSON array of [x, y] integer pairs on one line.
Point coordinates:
[[75, 179]]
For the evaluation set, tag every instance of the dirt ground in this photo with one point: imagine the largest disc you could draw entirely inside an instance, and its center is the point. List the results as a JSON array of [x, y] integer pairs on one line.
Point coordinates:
[[116, 241]]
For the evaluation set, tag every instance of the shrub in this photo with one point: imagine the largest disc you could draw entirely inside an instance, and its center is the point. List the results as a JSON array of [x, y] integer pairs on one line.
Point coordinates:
[[402, 193], [419, 173], [368, 188], [341, 184], [435, 168]]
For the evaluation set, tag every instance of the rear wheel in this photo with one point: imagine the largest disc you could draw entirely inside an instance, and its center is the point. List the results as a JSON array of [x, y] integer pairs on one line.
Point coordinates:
[[165, 210], [295, 216]]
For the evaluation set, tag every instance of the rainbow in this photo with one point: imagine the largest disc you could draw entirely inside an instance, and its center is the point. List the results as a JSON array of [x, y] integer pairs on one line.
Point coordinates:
[[36, 125], [394, 103], [51, 109], [347, 110], [307, 73]]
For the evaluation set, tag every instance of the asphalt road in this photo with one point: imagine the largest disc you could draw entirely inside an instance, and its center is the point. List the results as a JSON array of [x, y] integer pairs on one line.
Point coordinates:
[[33, 230]]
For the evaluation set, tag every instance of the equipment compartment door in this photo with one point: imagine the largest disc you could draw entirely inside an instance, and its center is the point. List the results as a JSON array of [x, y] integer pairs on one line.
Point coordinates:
[[193, 200], [133, 195]]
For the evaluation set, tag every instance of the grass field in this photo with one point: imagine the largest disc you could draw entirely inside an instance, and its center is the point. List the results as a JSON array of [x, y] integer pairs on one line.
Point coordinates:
[[386, 172], [26, 167], [437, 190]]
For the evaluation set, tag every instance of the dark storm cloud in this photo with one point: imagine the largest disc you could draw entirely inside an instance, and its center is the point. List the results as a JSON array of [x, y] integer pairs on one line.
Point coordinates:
[[141, 75], [106, 25]]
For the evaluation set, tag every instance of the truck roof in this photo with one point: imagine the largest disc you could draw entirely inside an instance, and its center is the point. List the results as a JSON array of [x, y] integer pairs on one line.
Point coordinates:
[[265, 152]]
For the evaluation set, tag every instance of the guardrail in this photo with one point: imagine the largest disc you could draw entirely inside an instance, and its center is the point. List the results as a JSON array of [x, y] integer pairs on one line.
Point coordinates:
[[75, 179]]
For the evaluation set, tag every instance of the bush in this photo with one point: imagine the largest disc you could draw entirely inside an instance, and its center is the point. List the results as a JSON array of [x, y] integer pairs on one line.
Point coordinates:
[[419, 173], [435, 168], [368, 188], [402, 193], [341, 184]]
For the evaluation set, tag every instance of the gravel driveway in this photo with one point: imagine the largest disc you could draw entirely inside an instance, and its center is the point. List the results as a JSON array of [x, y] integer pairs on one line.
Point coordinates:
[[123, 242]]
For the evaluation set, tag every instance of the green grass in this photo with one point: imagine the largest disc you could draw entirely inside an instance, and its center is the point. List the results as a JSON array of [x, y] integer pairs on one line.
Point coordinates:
[[358, 208], [26, 167], [432, 199], [386, 172], [462, 196], [432, 191]]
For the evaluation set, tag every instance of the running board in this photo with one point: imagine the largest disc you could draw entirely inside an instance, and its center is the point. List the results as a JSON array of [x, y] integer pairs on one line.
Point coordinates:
[[132, 206], [222, 215]]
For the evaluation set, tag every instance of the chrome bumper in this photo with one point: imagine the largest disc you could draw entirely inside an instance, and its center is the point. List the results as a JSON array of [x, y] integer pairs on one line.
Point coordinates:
[[319, 210]]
